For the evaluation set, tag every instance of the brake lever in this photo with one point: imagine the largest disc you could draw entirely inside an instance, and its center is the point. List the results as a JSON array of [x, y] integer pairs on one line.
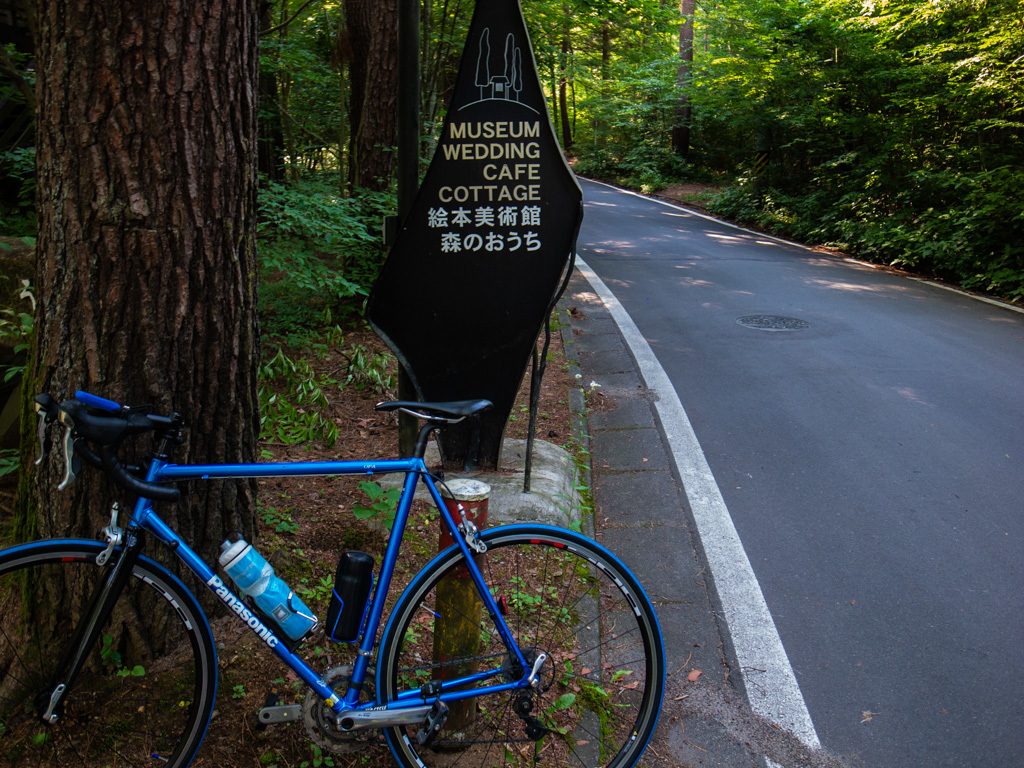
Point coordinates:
[[71, 463], [46, 411], [44, 444]]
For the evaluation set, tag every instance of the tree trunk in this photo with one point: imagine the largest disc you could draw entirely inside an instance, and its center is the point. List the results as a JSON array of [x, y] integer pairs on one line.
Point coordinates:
[[270, 156], [600, 123], [373, 32], [563, 84], [146, 270], [681, 129]]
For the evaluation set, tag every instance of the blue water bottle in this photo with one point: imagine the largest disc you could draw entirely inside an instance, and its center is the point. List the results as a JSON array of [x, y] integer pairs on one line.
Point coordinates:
[[255, 577]]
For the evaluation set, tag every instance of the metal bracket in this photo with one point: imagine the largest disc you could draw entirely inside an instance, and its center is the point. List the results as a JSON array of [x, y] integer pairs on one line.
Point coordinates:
[[471, 533]]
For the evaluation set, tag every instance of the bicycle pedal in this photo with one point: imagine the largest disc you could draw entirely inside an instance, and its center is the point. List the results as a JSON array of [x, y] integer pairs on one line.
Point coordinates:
[[435, 722], [271, 700]]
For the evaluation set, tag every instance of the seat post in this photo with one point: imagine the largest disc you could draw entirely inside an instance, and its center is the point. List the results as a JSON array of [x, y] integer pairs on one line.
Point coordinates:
[[421, 440]]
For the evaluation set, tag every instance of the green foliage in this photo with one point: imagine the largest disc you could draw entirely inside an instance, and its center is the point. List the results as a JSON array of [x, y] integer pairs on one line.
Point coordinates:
[[318, 250], [315, 590], [19, 219], [16, 326], [319, 759], [373, 370], [292, 397], [9, 461], [383, 503], [894, 129], [280, 520]]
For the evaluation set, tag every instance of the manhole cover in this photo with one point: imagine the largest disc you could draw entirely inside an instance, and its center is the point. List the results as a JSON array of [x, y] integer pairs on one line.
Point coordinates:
[[772, 323]]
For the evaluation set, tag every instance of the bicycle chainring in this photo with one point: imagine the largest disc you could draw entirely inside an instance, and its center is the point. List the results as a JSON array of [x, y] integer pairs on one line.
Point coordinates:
[[319, 719]]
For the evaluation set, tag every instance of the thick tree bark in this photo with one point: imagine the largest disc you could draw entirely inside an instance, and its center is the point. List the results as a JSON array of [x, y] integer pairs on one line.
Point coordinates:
[[373, 100], [146, 272]]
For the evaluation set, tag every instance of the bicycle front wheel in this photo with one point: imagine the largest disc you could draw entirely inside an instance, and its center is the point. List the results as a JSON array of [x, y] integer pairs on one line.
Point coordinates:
[[563, 595], [146, 692]]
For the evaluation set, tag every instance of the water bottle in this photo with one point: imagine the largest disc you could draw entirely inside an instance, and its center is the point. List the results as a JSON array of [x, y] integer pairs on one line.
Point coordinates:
[[352, 584], [255, 577]]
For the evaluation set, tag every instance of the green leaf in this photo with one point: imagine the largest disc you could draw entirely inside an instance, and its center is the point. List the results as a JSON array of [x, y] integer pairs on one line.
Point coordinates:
[[564, 701]]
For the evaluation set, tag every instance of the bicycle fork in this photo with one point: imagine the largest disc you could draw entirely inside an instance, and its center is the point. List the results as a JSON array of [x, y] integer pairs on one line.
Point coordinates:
[[87, 633]]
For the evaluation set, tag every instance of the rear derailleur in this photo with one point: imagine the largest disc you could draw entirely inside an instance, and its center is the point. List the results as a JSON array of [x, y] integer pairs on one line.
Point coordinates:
[[523, 706]]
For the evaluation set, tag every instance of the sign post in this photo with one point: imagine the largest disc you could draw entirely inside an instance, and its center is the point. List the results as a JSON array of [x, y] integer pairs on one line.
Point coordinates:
[[479, 258]]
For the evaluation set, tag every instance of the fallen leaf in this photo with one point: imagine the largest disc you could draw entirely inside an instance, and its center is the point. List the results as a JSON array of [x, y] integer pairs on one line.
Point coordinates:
[[866, 716], [692, 677]]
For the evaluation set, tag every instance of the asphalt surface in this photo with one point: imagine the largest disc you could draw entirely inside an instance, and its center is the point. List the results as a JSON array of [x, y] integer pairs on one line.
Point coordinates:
[[865, 431]]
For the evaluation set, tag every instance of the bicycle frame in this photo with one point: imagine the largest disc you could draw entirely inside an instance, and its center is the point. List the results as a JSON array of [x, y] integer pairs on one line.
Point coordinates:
[[145, 517]]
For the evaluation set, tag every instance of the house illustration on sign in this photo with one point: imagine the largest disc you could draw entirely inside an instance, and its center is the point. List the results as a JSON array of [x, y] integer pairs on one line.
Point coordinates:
[[508, 83]]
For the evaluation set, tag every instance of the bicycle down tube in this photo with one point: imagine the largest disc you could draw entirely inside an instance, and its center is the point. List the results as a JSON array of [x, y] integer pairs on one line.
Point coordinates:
[[414, 470]]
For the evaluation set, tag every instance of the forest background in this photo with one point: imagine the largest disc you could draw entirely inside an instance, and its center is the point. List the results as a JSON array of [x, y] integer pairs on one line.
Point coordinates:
[[889, 129]]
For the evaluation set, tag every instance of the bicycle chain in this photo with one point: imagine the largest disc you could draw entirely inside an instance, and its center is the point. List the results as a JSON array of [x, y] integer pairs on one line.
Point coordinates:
[[458, 662]]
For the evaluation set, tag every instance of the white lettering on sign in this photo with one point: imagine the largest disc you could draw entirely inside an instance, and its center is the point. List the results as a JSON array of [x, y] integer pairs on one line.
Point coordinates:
[[488, 217], [492, 151], [489, 193], [513, 171], [500, 130]]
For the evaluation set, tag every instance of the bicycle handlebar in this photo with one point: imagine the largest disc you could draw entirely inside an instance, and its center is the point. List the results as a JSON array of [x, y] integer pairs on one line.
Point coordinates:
[[106, 432], [94, 401]]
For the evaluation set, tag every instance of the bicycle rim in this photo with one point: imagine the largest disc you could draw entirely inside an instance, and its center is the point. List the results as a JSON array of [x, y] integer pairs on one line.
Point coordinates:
[[146, 692], [600, 689]]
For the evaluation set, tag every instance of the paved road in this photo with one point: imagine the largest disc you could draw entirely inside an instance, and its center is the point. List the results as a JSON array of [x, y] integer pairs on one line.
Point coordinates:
[[871, 454]]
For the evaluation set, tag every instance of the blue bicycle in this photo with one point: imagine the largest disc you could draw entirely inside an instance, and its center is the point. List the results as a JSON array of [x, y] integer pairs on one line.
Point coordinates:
[[519, 642]]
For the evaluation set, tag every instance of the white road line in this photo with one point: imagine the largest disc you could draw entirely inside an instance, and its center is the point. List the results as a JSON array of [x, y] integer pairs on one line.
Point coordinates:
[[767, 674]]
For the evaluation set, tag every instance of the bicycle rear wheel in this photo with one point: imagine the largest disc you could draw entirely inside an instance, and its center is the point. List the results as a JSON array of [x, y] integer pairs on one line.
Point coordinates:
[[146, 692], [564, 595]]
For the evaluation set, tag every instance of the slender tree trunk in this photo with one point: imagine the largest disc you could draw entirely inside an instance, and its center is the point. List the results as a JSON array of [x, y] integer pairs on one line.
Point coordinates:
[[271, 139], [601, 124], [681, 129], [146, 272], [563, 83]]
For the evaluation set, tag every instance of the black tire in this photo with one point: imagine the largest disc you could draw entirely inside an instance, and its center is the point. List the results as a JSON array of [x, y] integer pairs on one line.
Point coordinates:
[[145, 698], [601, 687]]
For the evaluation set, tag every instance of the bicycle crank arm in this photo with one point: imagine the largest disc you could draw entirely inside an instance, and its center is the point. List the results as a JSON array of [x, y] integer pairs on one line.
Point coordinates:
[[285, 713], [364, 719]]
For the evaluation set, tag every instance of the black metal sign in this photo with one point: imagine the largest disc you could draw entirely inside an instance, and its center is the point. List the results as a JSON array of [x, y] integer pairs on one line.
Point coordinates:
[[465, 290]]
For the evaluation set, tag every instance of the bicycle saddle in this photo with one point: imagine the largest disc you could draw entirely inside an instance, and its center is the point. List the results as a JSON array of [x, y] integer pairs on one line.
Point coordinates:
[[456, 410]]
